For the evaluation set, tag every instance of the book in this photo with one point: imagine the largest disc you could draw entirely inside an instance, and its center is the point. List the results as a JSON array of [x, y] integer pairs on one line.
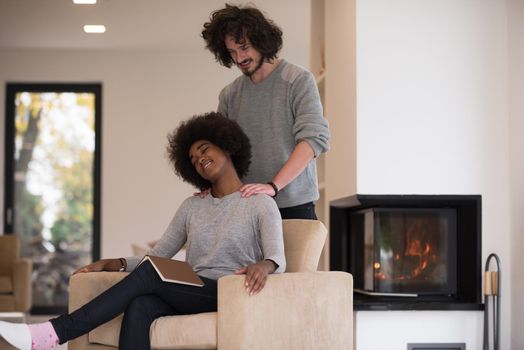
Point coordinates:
[[174, 271]]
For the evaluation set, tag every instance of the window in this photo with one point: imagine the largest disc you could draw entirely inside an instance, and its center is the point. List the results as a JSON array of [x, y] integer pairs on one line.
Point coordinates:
[[52, 182]]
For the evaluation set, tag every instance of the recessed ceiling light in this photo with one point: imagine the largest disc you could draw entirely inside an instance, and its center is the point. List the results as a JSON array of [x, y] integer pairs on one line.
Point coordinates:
[[84, 2], [94, 28]]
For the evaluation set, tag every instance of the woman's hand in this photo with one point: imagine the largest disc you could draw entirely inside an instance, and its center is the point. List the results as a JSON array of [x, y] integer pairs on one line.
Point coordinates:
[[250, 189], [256, 275], [101, 265]]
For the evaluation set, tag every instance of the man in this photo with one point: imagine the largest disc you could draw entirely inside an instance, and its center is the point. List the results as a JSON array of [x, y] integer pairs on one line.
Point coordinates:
[[276, 103]]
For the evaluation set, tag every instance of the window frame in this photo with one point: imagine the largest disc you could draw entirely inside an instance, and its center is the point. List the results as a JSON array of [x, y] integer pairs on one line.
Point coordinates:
[[9, 162]]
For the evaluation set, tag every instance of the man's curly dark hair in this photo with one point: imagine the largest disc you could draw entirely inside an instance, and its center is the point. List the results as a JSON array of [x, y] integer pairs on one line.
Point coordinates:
[[241, 22], [215, 128]]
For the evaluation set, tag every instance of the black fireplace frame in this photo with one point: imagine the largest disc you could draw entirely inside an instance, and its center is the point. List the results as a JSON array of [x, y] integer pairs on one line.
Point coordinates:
[[469, 248]]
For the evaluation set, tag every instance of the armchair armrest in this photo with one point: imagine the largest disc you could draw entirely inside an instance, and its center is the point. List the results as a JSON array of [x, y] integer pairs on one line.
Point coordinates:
[[22, 287], [83, 287], [303, 310]]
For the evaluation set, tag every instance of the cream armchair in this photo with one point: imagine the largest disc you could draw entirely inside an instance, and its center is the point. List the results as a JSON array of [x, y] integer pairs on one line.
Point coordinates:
[[299, 309], [15, 276]]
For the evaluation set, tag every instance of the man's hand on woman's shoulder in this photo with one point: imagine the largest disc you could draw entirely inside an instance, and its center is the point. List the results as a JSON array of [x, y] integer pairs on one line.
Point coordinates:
[[249, 190]]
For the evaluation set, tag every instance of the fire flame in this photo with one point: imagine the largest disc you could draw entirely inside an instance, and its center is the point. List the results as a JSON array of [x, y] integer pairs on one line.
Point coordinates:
[[417, 247], [416, 257]]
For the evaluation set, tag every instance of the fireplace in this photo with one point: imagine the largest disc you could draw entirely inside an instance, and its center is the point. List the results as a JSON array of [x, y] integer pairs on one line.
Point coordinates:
[[409, 251], [404, 251]]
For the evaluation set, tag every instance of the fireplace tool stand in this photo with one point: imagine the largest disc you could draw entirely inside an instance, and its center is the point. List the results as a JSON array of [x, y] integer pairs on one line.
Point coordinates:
[[492, 293]]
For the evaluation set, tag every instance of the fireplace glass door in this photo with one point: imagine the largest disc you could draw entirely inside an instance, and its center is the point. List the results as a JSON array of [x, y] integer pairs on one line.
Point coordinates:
[[406, 250]]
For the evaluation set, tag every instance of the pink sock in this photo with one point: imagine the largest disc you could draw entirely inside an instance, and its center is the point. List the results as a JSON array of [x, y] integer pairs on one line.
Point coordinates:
[[43, 336]]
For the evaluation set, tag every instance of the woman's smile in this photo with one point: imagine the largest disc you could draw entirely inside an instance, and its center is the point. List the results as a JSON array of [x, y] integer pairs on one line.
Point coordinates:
[[205, 163]]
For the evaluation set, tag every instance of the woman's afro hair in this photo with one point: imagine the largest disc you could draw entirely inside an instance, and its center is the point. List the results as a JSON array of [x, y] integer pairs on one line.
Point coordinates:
[[215, 128]]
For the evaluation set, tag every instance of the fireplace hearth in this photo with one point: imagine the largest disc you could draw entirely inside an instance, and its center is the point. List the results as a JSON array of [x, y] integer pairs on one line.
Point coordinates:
[[409, 252]]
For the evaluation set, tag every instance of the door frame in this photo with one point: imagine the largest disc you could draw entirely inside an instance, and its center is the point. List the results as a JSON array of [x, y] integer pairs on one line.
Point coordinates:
[[9, 162]]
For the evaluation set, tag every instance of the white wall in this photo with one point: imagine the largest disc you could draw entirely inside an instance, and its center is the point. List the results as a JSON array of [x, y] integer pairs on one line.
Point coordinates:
[[379, 330], [145, 95], [516, 111], [432, 118]]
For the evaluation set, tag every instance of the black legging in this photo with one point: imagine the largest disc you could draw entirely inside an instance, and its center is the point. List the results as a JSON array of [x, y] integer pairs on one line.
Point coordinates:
[[302, 211], [143, 297]]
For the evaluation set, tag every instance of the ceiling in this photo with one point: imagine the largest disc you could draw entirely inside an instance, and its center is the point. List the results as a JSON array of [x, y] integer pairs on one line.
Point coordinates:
[[131, 24]]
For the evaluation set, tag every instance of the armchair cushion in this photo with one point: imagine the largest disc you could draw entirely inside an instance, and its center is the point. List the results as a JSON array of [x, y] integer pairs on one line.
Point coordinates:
[[303, 243], [192, 332]]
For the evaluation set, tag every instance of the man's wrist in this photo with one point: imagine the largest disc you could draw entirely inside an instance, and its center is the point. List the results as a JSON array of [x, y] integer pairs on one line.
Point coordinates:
[[275, 188]]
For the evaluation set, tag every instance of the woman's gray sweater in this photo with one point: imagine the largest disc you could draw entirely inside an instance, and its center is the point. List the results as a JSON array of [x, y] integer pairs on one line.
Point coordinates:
[[223, 234]]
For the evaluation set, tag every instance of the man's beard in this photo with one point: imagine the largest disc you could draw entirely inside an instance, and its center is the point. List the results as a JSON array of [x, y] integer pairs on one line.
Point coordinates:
[[250, 73]]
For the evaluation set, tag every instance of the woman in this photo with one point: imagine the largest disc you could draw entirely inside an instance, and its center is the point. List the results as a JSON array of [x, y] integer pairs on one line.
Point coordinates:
[[224, 234]]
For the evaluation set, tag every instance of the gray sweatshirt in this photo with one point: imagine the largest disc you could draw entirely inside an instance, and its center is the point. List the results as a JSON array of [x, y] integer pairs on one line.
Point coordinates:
[[276, 114], [223, 234]]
